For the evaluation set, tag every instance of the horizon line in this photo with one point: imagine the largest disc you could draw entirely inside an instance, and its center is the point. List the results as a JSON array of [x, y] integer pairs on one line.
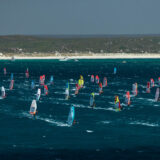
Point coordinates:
[[81, 35]]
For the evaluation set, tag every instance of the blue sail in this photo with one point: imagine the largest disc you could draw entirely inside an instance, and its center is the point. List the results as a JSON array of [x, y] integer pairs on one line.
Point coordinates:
[[71, 116], [51, 79], [32, 85], [115, 70], [11, 76], [92, 101], [67, 85]]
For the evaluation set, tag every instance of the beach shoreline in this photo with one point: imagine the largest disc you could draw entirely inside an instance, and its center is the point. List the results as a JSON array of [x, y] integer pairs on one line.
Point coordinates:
[[93, 56]]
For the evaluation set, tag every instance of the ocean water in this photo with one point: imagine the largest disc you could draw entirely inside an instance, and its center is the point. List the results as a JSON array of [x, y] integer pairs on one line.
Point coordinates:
[[99, 133]]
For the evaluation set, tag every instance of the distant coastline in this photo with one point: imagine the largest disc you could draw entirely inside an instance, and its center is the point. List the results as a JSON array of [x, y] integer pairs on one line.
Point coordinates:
[[79, 45]]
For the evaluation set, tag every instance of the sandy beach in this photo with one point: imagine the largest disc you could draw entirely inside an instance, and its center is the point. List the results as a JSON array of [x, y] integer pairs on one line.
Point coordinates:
[[93, 56]]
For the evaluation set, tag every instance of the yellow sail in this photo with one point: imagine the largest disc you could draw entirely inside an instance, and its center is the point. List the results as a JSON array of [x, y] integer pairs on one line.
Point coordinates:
[[81, 77]]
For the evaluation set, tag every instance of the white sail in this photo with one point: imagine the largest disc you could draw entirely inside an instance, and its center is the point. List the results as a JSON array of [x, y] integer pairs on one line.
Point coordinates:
[[33, 107], [3, 93], [38, 94], [157, 94]]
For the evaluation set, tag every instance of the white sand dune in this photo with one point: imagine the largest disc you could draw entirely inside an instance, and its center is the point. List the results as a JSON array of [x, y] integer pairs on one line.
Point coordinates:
[[89, 56]]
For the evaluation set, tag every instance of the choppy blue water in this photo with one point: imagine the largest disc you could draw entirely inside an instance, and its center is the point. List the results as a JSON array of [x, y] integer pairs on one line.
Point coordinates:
[[99, 133]]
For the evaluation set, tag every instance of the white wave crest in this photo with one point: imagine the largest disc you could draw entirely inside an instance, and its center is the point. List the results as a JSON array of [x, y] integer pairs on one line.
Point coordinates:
[[144, 124]]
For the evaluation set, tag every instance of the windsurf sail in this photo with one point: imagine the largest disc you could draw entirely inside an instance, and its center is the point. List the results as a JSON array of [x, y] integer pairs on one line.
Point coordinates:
[[159, 81], [97, 79], [117, 104], [100, 88], [152, 82], [157, 95], [32, 85], [11, 76], [92, 100], [38, 95], [81, 77], [3, 93], [42, 80], [148, 90], [127, 98], [27, 73], [51, 80], [135, 89], [92, 78], [77, 88], [71, 116], [115, 70], [67, 91], [11, 84], [80, 84], [81, 81], [4, 71], [45, 89], [104, 82], [33, 108]]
